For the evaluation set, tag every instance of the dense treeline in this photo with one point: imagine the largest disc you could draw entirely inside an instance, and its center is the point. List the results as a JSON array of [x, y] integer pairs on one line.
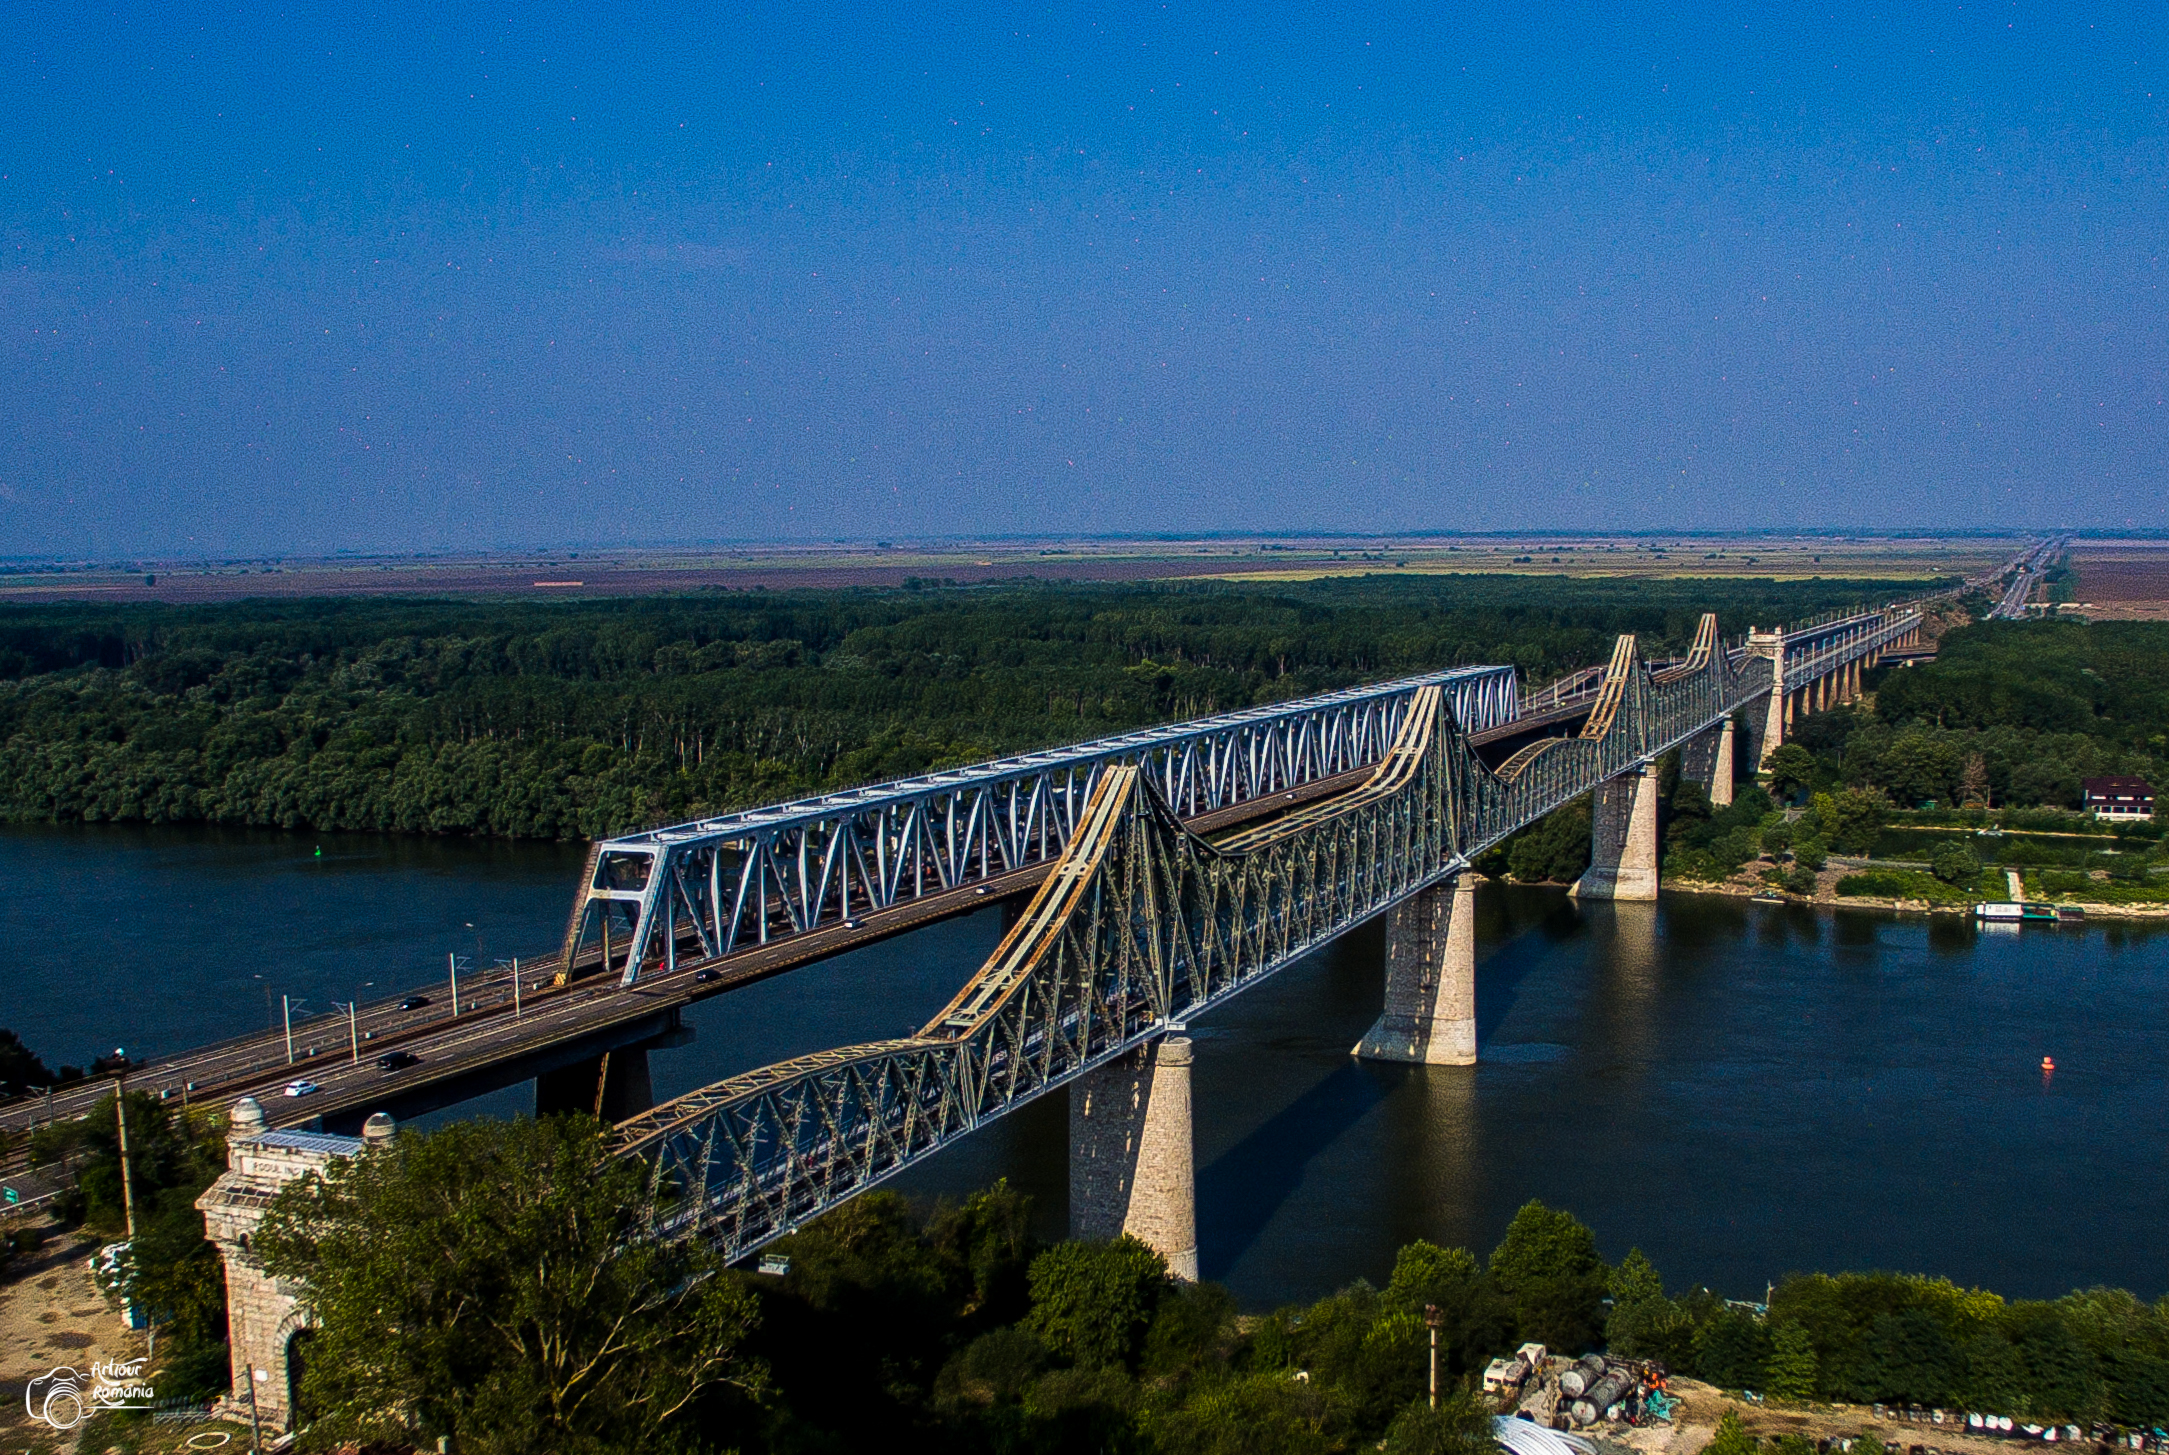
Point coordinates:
[[953, 1329], [2009, 713], [579, 718]]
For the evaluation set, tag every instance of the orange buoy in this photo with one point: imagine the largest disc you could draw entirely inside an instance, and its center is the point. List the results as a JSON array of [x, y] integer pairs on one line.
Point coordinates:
[[2048, 1063]]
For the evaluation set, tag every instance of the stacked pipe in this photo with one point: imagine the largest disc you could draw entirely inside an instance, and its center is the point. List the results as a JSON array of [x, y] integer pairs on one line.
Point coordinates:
[[1600, 1396], [1586, 1371]]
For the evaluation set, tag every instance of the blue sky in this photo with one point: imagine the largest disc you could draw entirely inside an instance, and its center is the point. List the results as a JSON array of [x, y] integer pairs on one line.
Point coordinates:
[[290, 279]]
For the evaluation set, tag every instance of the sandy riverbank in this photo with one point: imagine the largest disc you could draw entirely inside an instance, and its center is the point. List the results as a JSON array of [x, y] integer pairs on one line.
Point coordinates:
[[1827, 897]]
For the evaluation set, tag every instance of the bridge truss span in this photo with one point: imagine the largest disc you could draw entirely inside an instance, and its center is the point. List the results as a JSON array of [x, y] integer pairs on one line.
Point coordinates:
[[708, 888], [1140, 925]]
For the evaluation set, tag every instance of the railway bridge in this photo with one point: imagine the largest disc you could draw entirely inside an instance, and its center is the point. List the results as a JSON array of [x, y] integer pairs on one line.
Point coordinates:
[[1147, 879], [1145, 914]]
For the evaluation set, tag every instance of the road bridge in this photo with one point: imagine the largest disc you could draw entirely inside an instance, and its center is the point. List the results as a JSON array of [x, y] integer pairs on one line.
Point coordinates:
[[2025, 577], [1166, 871], [674, 915], [723, 902], [1144, 923]]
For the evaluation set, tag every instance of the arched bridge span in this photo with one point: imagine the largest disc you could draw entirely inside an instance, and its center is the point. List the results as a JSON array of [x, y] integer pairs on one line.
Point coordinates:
[[1141, 924]]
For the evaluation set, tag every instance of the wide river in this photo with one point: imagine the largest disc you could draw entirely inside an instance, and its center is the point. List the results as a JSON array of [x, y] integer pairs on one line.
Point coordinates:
[[1740, 1090]]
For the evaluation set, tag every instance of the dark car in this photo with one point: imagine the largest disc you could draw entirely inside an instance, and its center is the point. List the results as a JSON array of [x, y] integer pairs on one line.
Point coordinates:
[[414, 1002], [396, 1060], [704, 976]]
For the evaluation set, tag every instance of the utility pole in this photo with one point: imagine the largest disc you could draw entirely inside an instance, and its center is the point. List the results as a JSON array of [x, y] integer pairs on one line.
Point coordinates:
[[256, 1429], [286, 1009], [127, 1180], [353, 1030], [515, 987], [1431, 1320], [453, 960]]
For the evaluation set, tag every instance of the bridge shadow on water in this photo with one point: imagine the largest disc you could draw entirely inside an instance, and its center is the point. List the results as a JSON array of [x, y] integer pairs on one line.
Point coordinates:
[[1242, 1190], [1518, 928], [1239, 1193]]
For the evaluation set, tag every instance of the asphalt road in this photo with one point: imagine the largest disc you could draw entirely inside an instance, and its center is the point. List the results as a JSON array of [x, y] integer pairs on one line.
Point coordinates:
[[489, 1030]]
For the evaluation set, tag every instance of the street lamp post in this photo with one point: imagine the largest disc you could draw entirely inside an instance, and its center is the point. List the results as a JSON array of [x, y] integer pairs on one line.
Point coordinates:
[[286, 1009], [1431, 1320], [127, 1182]]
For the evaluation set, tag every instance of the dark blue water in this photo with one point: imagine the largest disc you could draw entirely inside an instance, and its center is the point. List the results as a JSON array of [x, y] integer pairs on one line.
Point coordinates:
[[1740, 1090]]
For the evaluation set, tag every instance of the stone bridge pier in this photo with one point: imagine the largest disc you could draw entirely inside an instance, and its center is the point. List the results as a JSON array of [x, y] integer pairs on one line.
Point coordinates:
[[1430, 1011], [1132, 1161], [1623, 839], [1708, 759]]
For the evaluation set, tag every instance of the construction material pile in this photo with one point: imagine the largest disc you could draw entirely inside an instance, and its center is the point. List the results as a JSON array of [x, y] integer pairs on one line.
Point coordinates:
[[1560, 1393]]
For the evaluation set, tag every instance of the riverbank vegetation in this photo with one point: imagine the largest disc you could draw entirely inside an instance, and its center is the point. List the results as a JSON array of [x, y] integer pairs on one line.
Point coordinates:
[[564, 719], [1948, 774], [2009, 715], [170, 1272], [951, 1329]]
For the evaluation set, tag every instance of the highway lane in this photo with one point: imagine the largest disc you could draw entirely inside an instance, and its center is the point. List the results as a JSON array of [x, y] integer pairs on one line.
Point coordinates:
[[487, 1030]]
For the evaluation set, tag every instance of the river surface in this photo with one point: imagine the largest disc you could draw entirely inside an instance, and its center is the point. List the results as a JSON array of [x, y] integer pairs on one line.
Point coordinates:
[[1740, 1090]]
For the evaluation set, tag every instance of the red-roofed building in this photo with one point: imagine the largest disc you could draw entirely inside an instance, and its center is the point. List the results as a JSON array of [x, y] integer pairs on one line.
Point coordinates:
[[2119, 798]]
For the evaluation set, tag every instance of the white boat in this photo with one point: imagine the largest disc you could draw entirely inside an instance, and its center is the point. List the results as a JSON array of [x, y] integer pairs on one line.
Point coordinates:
[[2000, 909]]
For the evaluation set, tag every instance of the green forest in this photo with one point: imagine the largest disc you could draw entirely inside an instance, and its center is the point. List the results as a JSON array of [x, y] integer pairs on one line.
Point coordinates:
[[950, 1328], [1964, 767], [2009, 714], [569, 719]]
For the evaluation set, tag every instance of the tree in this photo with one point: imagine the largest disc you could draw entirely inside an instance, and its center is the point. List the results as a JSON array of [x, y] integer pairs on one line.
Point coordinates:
[[1644, 1324], [1732, 1438], [495, 1283], [1791, 768], [1093, 1302], [1731, 1349], [1791, 1370], [1973, 782], [1911, 1358], [1475, 1318], [1955, 863], [1808, 852], [20, 1068], [1852, 817], [1556, 848], [1459, 1426], [1547, 1265]]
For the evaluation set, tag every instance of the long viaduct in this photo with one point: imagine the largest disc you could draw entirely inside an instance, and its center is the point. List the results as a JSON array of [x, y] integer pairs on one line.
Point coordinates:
[[1146, 879]]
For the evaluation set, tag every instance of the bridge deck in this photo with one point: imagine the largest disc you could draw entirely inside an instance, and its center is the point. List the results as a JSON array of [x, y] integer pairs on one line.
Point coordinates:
[[563, 1022], [560, 1022]]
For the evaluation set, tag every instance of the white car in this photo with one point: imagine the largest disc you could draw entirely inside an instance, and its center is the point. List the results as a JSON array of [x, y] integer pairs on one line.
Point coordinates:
[[302, 1088]]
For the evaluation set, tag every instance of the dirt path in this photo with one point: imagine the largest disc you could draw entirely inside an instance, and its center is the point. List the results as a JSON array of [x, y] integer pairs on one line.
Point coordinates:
[[52, 1315], [1701, 1406]]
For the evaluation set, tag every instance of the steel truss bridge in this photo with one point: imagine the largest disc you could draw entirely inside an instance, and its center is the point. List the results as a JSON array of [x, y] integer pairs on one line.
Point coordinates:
[[665, 918], [1142, 921]]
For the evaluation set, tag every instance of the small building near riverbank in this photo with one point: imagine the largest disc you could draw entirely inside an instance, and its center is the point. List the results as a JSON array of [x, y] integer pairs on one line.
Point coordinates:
[[2119, 799]]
